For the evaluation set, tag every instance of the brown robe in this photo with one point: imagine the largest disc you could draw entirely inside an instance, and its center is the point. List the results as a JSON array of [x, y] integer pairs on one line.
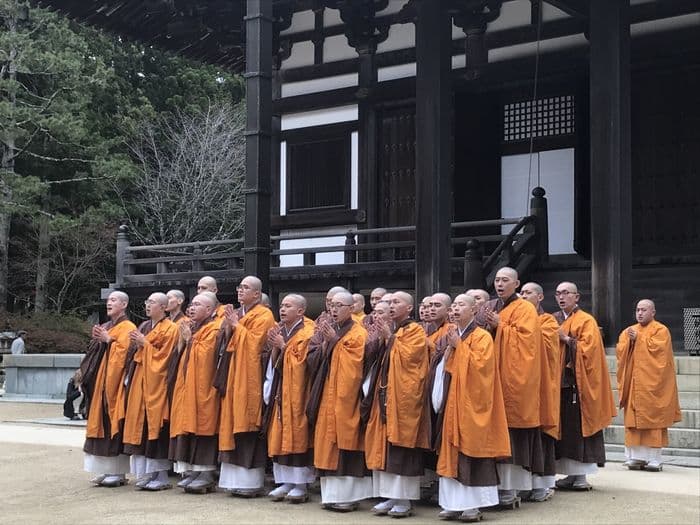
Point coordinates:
[[646, 382], [104, 386], [587, 405], [146, 428], [398, 428]]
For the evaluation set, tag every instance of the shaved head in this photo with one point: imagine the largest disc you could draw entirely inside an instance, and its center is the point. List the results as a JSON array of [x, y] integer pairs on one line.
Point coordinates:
[[645, 312], [298, 300], [207, 284], [376, 295], [335, 290], [463, 297], [253, 282], [533, 293], [507, 270], [566, 285], [121, 296], [442, 298], [379, 291], [342, 297], [405, 297], [208, 298], [480, 296], [177, 294], [160, 298], [647, 303]]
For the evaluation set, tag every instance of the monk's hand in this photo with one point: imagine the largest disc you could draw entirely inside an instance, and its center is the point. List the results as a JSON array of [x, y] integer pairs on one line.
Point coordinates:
[[632, 334], [384, 329], [101, 334], [275, 339], [230, 315], [453, 337], [137, 338], [563, 337], [492, 318], [185, 332], [327, 332]]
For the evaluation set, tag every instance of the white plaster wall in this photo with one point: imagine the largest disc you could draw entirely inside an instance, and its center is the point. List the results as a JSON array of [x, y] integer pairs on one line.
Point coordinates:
[[336, 237], [301, 21]]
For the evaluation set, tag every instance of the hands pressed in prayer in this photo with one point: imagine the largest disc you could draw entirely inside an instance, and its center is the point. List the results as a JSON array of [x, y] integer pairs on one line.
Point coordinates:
[[632, 334], [492, 318], [383, 329], [327, 331], [563, 337], [137, 338], [231, 315], [101, 334], [186, 332], [274, 338], [453, 337]]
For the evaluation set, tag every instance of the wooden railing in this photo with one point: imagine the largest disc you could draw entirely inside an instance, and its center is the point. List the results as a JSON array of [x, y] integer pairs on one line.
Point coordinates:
[[479, 248]]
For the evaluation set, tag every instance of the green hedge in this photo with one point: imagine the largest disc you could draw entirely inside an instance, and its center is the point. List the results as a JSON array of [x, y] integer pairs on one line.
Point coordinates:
[[49, 333]]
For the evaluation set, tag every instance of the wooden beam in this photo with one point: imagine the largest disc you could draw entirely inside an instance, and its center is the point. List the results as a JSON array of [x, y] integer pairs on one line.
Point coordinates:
[[258, 139], [578, 8], [434, 104], [610, 150]]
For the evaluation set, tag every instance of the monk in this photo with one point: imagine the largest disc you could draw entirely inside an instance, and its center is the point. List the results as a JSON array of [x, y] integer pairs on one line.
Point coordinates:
[[358, 307], [242, 447], [286, 393], [176, 300], [103, 375], [550, 387], [473, 431], [587, 405], [518, 346], [423, 311], [397, 431], [146, 423], [375, 296], [375, 346], [208, 284], [646, 382], [438, 311], [265, 300], [481, 297], [195, 406], [336, 367]]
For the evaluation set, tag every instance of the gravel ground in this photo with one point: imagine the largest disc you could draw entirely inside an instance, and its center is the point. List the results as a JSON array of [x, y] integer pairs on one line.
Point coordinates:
[[41, 480]]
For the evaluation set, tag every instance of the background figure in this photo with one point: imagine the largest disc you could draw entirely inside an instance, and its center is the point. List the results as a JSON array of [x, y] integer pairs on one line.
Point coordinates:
[[646, 382], [18, 344]]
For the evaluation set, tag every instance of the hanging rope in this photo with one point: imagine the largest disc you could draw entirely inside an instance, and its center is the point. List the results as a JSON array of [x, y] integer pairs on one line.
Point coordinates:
[[533, 111]]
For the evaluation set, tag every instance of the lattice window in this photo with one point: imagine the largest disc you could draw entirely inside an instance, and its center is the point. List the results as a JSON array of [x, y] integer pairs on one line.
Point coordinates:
[[542, 118]]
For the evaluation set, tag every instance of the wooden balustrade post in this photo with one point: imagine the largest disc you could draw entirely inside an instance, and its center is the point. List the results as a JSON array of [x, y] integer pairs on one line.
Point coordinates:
[[197, 264], [350, 255], [122, 254], [474, 265]]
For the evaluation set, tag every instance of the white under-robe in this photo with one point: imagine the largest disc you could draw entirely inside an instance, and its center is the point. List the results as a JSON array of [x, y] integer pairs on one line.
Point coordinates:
[[456, 497]]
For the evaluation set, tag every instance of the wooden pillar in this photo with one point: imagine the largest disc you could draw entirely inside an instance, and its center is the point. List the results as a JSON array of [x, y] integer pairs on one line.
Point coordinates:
[[434, 101], [611, 205], [367, 138], [258, 75]]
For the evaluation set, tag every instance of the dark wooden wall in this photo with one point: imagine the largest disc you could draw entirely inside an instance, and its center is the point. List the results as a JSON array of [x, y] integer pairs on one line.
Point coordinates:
[[666, 162]]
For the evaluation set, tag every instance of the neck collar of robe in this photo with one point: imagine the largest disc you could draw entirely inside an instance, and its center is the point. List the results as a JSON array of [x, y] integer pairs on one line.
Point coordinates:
[[463, 334], [573, 311], [346, 323], [177, 316], [403, 323], [509, 300], [250, 308], [200, 325], [288, 333], [111, 324]]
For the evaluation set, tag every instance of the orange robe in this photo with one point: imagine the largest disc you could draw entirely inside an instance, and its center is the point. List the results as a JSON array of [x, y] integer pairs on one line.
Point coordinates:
[[358, 318], [147, 391], [108, 394], [337, 424], [592, 375], [646, 382], [406, 375], [288, 432], [219, 312], [242, 404], [550, 386], [195, 405], [518, 345], [474, 421]]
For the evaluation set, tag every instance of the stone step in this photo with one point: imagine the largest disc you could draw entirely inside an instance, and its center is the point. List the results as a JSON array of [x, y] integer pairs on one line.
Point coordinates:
[[685, 382], [684, 364], [685, 438], [686, 457], [691, 419]]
